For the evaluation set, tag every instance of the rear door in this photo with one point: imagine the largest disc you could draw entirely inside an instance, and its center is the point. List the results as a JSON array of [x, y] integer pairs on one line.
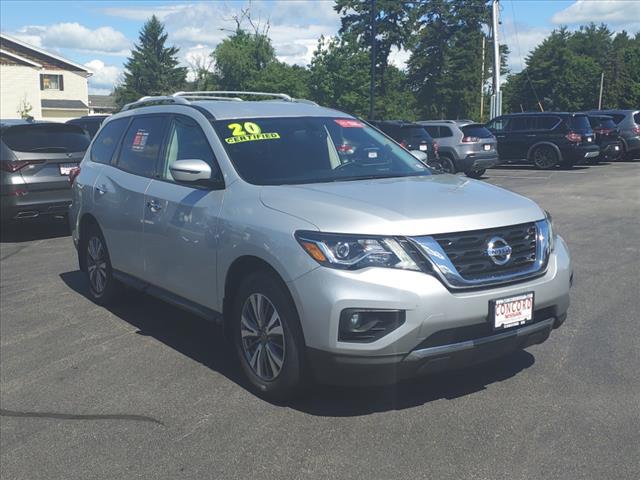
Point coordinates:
[[119, 191], [180, 220], [49, 151]]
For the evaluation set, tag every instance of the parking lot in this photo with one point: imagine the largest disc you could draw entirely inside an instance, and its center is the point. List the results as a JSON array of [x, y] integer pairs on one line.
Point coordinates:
[[145, 390]]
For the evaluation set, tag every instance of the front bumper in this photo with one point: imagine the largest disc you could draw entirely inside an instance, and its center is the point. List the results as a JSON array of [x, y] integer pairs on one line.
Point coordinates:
[[432, 312]]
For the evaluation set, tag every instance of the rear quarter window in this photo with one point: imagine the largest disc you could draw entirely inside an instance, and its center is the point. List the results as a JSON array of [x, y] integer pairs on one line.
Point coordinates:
[[46, 138]]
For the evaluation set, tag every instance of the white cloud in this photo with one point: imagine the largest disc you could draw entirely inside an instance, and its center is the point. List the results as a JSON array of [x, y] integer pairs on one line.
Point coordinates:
[[521, 40], [104, 76], [74, 36], [614, 12]]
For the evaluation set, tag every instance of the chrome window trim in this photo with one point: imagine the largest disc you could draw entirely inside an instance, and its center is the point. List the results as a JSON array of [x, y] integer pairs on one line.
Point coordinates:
[[449, 275]]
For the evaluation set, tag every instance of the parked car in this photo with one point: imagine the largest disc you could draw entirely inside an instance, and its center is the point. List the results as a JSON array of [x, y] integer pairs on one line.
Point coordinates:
[[411, 136], [361, 267], [628, 123], [607, 137], [464, 146], [91, 123], [35, 161]]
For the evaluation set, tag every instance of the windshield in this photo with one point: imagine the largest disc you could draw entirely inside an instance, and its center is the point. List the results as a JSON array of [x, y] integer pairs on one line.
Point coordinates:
[[285, 151], [46, 138]]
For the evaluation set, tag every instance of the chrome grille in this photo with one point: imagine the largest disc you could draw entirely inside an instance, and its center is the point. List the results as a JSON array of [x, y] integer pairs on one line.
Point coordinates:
[[468, 250]]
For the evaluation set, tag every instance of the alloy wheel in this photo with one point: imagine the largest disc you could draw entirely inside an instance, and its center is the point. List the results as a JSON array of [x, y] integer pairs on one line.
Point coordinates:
[[97, 265], [262, 337], [544, 158]]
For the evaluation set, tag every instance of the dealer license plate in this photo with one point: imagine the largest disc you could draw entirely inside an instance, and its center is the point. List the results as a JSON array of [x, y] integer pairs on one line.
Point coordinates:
[[487, 147], [423, 148], [65, 168], [512, 311]]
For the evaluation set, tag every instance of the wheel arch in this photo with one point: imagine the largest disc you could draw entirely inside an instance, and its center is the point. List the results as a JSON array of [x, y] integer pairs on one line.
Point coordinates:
[[86, 222]]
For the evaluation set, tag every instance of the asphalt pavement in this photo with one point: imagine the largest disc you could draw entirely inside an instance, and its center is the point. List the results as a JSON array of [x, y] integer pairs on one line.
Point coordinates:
[[145, 390]]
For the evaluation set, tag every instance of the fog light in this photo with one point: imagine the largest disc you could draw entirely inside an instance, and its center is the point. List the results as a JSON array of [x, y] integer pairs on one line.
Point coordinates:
[[366, 326]]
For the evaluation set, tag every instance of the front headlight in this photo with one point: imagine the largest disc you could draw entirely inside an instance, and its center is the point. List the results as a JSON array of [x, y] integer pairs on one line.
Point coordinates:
[[551, 234], [352, 252]]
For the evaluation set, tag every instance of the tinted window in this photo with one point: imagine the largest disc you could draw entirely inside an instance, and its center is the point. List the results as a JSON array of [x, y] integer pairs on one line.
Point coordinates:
[[277, 151], [580, 123], [46, 138], [433, 130], [636, 117], [602, 122], [498, 124], [445, 132], [187, 142], [521, 123], [141, 145], [414, 135], [105, 145], [478, 131], [546, 123], [617, 117]]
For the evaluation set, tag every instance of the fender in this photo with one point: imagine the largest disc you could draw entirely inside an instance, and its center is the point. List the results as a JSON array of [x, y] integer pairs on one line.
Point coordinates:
[[551, 144]]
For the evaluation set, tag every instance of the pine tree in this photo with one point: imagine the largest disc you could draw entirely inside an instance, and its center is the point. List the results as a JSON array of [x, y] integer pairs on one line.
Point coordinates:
[[152, 68]]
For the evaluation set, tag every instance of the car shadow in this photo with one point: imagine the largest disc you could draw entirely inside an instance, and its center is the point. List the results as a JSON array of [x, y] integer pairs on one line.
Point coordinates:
[[527, 166], [30, 230], [205, 342]]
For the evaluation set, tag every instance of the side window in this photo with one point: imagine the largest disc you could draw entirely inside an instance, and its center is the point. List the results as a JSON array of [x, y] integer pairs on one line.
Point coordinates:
[[518, 124], [107, 142], [187, 141], [433, 130], [546, 123], [141, 145], [445, 132]]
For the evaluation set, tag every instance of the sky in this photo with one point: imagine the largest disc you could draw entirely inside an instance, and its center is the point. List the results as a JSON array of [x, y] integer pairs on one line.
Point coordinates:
[[100, 34]]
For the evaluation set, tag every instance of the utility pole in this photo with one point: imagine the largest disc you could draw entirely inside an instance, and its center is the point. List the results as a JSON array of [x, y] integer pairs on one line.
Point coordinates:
[[496, 98], [601, 88], [372, 85], [482, 81]]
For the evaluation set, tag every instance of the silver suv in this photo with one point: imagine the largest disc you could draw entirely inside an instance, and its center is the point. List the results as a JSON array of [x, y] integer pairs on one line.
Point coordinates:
[[464, 146], [326, 250]]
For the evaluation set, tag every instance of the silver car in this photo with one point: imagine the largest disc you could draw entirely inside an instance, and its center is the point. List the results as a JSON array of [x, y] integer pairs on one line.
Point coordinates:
[[464, 146], [326, 250]]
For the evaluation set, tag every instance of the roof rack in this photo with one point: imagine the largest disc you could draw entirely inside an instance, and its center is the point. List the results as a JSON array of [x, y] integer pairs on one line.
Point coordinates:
[[216, 95], [156, 100], [185, 98]]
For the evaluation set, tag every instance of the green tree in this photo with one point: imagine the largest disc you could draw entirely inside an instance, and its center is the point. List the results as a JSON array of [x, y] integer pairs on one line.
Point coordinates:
[[564, 72], [445, 67], [152, 68]]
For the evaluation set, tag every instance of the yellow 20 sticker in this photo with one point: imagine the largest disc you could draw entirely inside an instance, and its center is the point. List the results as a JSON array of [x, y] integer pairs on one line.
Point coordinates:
[[248, 132]]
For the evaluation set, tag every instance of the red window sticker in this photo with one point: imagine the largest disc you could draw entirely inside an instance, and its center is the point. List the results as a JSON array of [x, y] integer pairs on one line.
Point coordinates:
[[348, 123], [140, 140]]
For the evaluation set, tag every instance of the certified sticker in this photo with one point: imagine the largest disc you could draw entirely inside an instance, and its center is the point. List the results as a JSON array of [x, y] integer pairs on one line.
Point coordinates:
[[140, 140], [248, 132]]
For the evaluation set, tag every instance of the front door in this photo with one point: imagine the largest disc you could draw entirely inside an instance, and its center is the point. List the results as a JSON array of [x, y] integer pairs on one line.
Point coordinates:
[[181, 220]]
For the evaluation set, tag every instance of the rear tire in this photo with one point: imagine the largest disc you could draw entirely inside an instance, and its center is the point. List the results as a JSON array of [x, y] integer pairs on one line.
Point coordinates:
[[475, 173], [545, 157], [448, 166], [268, 338], [103, 287]]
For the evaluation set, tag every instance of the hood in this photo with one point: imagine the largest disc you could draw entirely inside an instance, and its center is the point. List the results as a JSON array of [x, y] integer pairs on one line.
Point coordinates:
[[407, 206]]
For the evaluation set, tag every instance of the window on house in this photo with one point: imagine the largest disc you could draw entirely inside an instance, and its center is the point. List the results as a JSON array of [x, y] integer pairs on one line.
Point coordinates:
[[51, 82]]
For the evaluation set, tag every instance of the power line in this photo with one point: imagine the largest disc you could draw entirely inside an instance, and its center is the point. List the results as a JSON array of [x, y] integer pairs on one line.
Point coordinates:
[[525, 69]]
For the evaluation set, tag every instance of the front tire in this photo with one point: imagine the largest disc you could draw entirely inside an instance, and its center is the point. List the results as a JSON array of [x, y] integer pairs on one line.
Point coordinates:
[[102, 286], [545, 157], [268, 338]]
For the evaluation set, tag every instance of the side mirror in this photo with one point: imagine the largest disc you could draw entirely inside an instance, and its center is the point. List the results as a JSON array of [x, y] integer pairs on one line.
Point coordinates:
[[420, 155], [190, 171]]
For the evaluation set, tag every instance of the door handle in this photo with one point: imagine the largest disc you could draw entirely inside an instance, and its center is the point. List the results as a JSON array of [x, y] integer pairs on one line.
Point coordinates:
[[101, 189], [154, 206]]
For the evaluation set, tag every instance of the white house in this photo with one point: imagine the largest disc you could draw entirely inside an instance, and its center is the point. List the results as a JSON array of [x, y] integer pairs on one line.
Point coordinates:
[[52, 87]]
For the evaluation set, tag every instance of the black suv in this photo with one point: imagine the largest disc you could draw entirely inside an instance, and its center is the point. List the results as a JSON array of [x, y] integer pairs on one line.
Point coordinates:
[[546, 139], [607, 137], [411, 136]]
